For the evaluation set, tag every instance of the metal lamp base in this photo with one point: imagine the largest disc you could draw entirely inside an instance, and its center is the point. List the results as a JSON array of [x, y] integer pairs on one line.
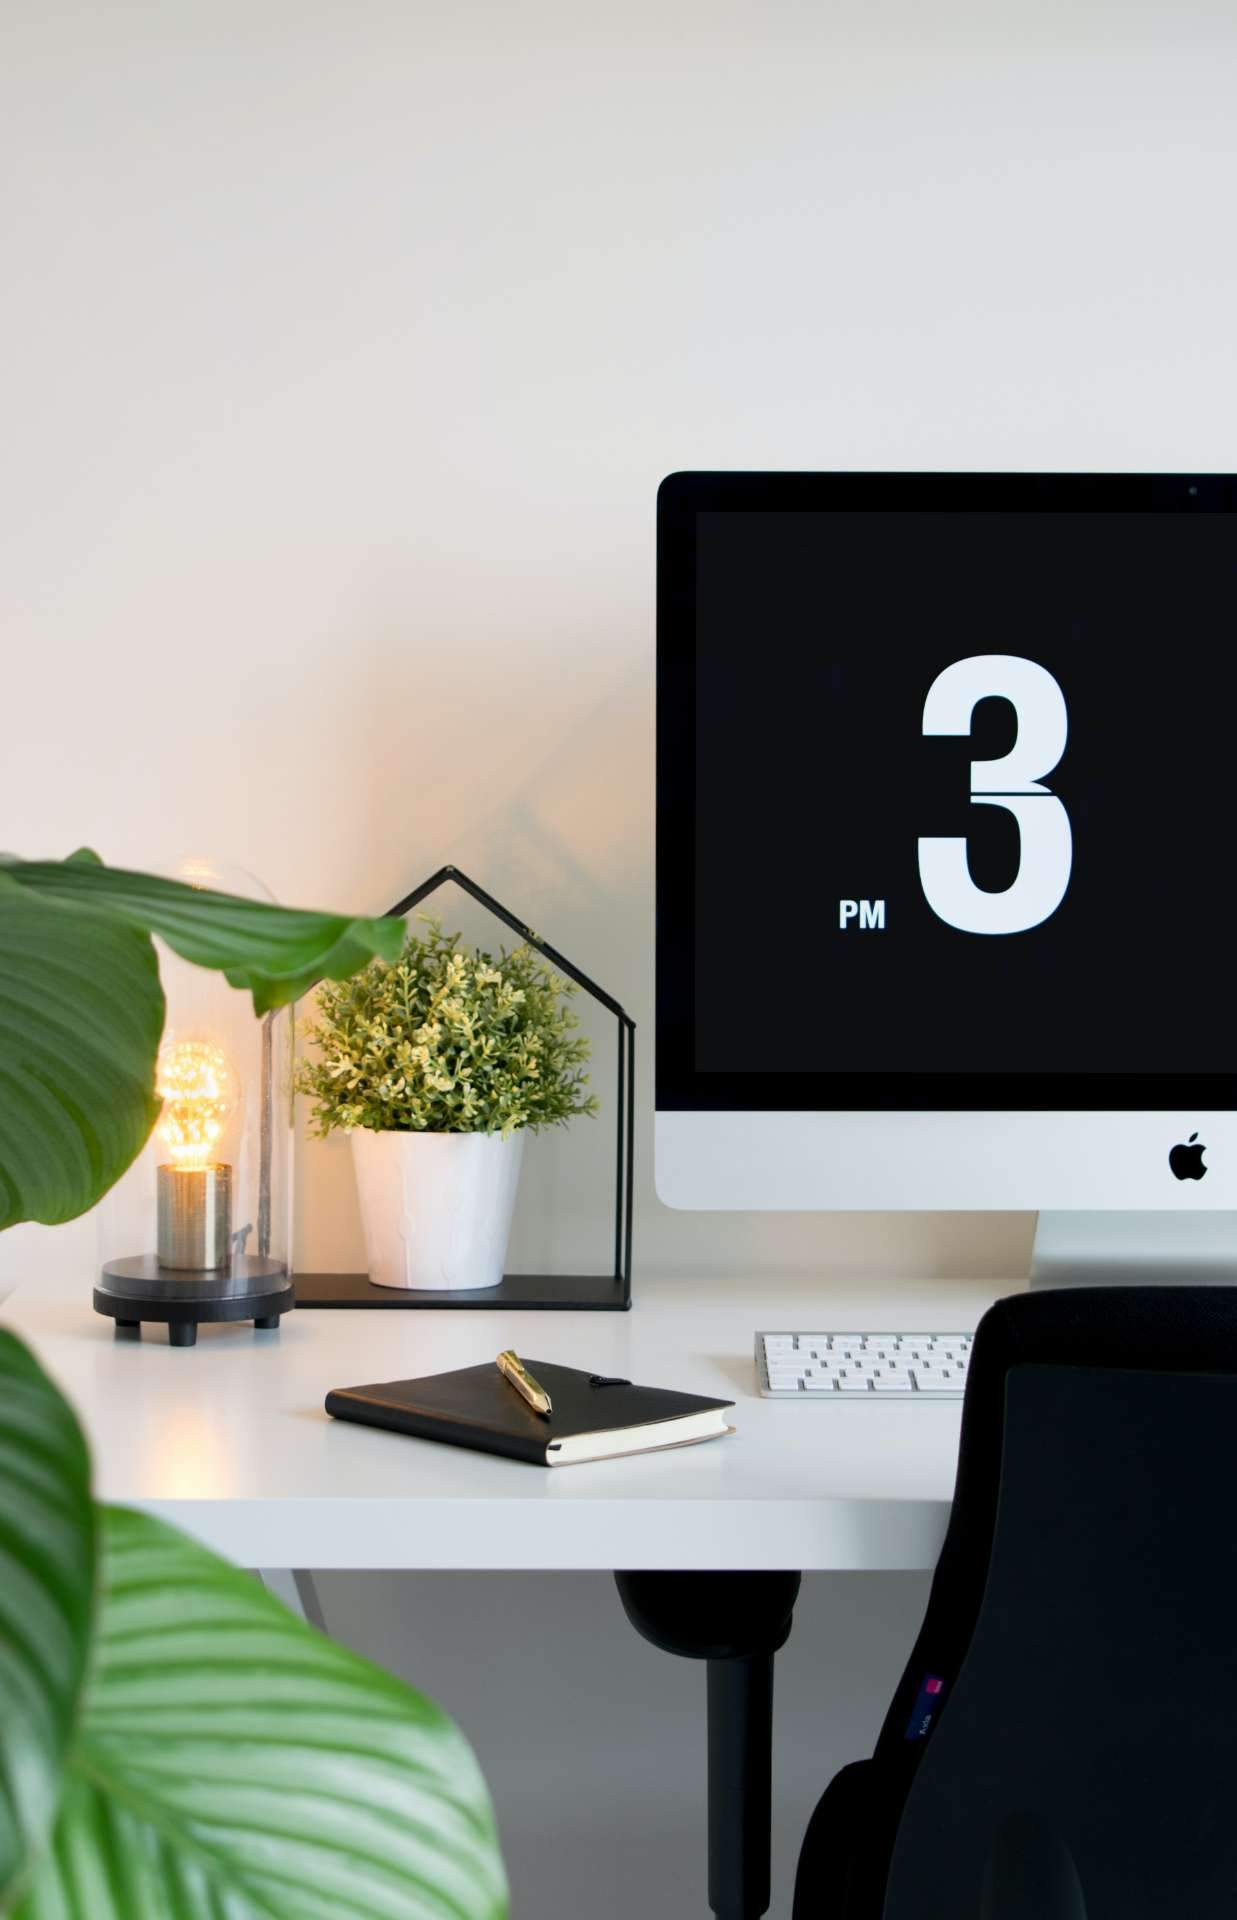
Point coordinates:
[[130, 1291]]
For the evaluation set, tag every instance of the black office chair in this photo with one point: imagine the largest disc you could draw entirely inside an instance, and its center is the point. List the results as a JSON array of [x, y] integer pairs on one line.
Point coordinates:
[[1063, 1742]]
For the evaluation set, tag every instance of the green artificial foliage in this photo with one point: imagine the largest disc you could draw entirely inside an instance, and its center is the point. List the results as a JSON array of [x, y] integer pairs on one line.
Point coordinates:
[[175, 1743], [445, 1041]]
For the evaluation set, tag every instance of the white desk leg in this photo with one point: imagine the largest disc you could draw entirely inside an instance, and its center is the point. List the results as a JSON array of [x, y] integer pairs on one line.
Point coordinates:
[[295, 1587]]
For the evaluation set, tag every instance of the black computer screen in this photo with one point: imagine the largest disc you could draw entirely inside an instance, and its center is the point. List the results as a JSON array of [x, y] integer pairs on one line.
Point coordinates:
[[961, 800]]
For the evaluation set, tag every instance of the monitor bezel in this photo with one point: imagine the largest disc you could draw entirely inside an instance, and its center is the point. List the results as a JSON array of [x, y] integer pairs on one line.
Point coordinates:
[[680, 1085]]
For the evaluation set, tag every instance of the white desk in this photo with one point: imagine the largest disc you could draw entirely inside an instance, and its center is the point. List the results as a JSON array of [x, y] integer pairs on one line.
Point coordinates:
[[229, 1440]]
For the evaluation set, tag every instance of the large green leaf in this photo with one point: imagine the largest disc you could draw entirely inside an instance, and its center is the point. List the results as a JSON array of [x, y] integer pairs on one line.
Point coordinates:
[[230, 1761], [278, 953], [81, 1009], [81, 1013], [225, 1762], [47, 1576]]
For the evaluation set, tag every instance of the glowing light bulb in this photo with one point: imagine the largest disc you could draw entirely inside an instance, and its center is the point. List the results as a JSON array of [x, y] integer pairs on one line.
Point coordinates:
[[198, 1090]]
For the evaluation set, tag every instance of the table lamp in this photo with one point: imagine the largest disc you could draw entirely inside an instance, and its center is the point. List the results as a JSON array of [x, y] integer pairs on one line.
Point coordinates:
[[199, 1227]]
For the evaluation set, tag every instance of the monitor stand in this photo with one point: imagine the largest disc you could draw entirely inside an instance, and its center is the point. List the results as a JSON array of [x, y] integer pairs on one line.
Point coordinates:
[[1134, 1249]]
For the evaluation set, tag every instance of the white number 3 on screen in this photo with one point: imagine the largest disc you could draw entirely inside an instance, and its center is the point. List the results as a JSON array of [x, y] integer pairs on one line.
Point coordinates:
[[1014, 782]]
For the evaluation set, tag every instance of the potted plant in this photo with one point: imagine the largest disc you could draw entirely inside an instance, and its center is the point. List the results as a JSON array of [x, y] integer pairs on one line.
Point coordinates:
[[437, 1066]]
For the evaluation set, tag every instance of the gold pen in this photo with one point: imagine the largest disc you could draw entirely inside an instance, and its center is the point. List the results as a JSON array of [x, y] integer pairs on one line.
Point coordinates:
[[512, 1368]]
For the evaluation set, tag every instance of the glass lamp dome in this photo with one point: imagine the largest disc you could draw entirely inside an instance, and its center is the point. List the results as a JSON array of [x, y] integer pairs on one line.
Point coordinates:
[[199, 1228]]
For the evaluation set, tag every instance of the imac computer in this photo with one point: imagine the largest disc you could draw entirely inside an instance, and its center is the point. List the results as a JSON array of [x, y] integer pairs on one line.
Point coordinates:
[[946, 876]]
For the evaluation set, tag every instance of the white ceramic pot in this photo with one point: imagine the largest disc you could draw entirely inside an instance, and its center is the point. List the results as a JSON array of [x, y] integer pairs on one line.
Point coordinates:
[[436, 1207]]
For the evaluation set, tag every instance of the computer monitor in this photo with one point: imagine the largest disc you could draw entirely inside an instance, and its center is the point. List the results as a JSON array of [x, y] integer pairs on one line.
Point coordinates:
[[946, 875]]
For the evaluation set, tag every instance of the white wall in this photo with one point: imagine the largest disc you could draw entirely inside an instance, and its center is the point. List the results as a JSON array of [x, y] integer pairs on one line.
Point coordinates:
[[344, 343]]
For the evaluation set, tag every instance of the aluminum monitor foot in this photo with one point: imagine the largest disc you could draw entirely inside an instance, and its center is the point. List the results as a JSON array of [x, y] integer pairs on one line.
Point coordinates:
[[1134, 1249]]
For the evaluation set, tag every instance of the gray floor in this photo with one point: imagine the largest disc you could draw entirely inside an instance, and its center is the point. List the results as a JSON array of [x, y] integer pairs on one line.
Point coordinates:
[[602, 1813]]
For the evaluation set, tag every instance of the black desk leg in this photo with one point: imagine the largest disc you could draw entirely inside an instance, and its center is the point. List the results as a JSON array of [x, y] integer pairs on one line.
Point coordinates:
[[735, 1622], [740, 1785]]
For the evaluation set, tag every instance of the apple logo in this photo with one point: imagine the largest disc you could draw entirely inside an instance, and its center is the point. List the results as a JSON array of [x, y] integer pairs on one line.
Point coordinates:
[[1186, 1159]]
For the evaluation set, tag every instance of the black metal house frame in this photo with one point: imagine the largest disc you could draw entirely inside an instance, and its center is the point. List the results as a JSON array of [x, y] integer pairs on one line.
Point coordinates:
[[605, 1292]]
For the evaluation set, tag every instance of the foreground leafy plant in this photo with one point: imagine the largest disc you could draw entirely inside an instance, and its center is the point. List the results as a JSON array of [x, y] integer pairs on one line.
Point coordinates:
[[173, 1742], [81, 1009]]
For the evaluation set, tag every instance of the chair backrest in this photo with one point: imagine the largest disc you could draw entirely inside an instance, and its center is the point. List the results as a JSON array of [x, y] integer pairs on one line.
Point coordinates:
[[1063, 1745]]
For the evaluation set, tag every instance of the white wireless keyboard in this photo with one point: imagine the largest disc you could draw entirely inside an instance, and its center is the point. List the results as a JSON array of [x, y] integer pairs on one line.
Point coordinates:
[[830, 1366]]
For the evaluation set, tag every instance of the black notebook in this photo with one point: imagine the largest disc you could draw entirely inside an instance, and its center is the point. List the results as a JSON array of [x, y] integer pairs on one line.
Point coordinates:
[[594, 1417]]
